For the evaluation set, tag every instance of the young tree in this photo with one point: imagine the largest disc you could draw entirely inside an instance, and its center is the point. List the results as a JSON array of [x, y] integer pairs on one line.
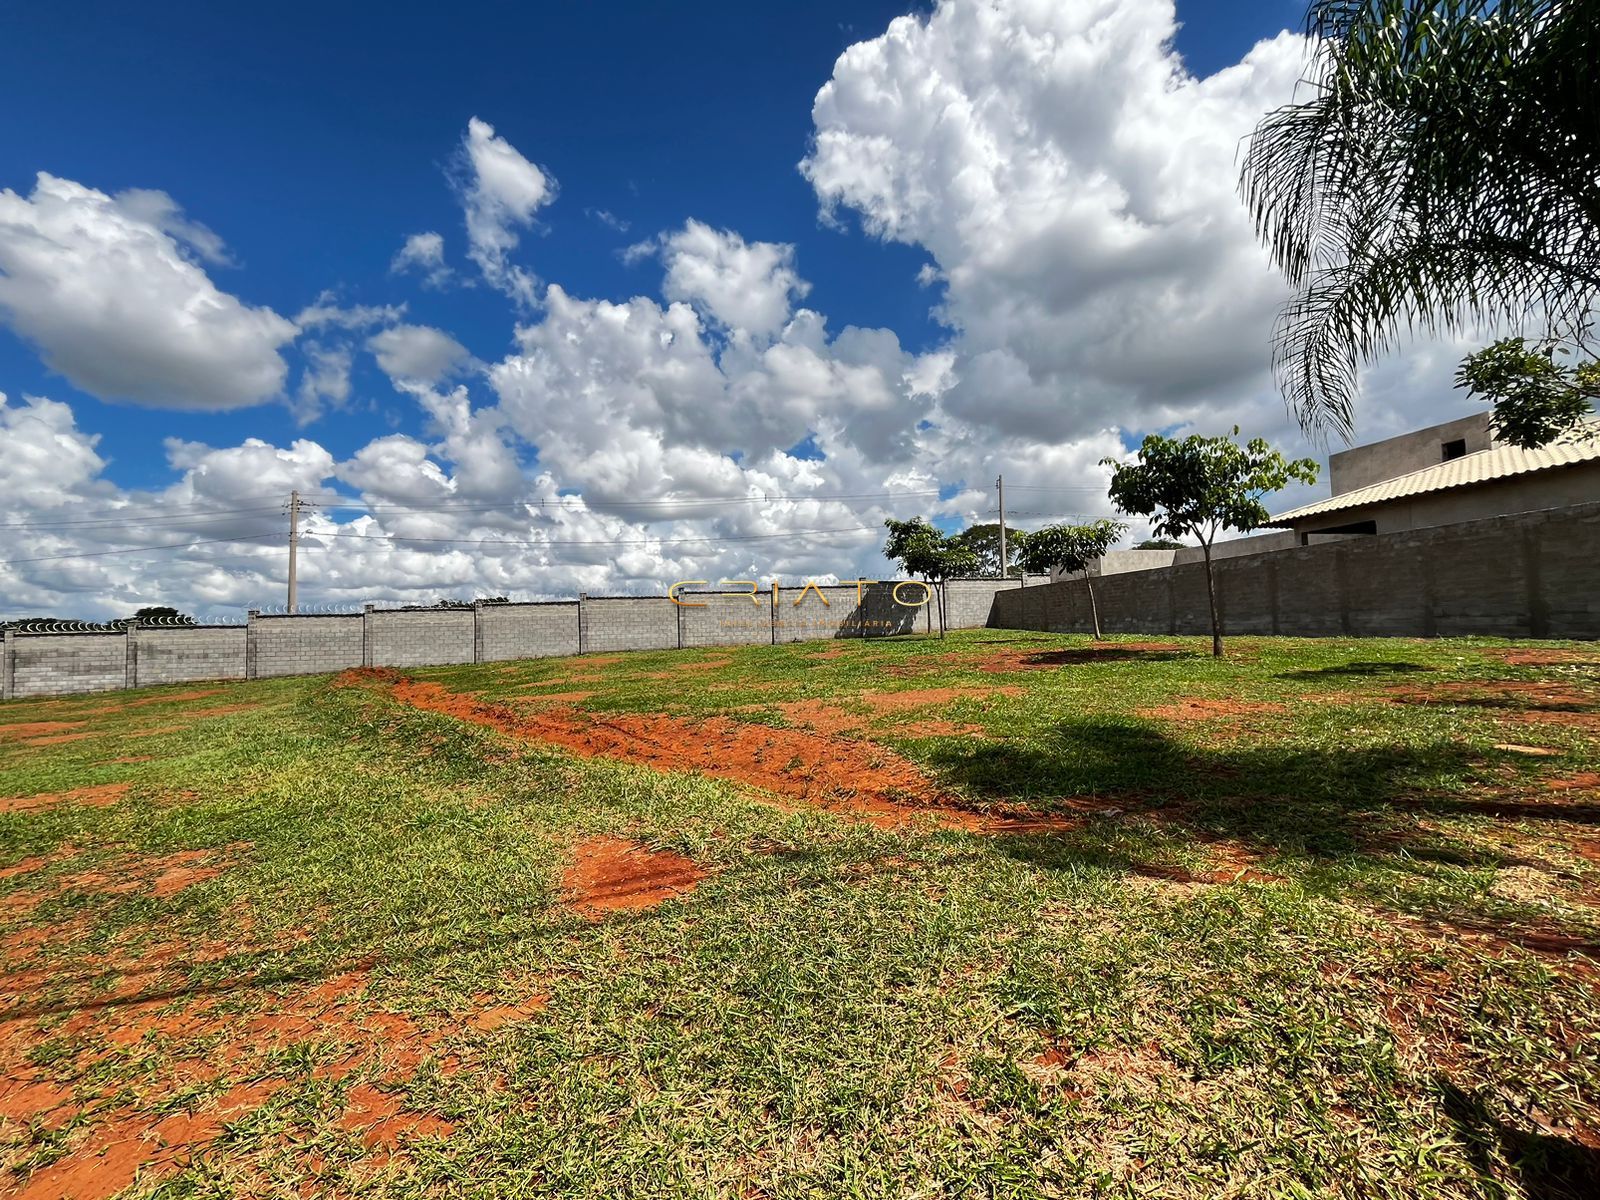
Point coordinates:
[[984, 541], [1442, 174], [1073, 548], [1536, 399], [1201, 486], [930, 555]]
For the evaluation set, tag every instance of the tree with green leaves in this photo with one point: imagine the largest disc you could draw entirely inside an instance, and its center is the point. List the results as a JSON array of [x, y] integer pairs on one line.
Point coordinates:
[[1199, 487], [928, 554], [984, 541], [1073, 548], [1536, 399], [1442, 174]]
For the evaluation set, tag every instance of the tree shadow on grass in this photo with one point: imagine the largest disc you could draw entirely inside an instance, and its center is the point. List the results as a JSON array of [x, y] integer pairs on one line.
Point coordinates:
[[1502, 703], [1548, 1167], [1372, 820], [1099, 654], [1357, 670]]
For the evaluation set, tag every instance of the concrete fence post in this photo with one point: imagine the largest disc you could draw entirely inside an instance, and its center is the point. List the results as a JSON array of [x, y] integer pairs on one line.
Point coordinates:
[[250, 617], [583, 619], [130, 653], [477, 631], [8, 665], [678, 610], [366, 634]]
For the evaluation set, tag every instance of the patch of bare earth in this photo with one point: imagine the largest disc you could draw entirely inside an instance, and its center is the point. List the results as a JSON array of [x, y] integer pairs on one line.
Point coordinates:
[[94, 797], [176, 697], [24, 731], [555, 698], [219, 1050], [853, 778], [1525, 706], [161, 876], [1196, 708], [1540, 656], [829, 717], [223, 1058], [609, 874]]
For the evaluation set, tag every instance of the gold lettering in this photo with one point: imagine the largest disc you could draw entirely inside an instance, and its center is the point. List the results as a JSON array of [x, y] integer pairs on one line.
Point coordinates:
[[751, 593], [811, 587], [927, 593], [672, 593]]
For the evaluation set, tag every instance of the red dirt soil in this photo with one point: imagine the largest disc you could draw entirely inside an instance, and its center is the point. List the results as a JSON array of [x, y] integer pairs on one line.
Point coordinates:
[[1195, 708], [1548, 656], [856, 779], [120, 1140], [95, 797], [33, 729], [56, 739], [175, 697], [927, 697], [610, 874]]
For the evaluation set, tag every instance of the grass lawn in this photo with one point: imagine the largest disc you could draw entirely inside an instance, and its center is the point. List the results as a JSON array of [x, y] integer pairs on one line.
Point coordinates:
[[1009, 914]]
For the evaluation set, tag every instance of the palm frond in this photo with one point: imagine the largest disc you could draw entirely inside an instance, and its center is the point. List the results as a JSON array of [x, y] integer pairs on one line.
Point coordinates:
[[1444, 170]]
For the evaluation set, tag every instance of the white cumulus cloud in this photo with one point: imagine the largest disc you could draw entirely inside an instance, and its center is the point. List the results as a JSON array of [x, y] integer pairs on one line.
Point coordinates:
[[501, 191], [109, 291]]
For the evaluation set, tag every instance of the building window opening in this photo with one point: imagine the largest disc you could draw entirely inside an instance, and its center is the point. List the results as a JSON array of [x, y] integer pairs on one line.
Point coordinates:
[[1455, 449]]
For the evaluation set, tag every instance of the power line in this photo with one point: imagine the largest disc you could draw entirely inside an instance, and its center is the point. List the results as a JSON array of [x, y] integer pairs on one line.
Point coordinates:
[[646, 541], [380, 537], [11, 562], [122, 518], [559, 502]]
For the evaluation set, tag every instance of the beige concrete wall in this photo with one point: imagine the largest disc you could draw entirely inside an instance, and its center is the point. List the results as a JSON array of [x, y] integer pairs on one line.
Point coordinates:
[[1556, 487], [1536, 574], [1363, 465]]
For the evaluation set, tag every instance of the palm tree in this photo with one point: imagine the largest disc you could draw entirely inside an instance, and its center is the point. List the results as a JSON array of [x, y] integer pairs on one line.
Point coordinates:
[[1443, 175]]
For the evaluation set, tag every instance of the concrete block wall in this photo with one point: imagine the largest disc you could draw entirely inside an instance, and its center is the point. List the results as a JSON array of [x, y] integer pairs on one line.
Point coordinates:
[[967, 601], [420, 638], [724, 619], [1531, 575], [271, 646], [613, 623], [306, 645], [170, 655], [58, 664], [508, 631]]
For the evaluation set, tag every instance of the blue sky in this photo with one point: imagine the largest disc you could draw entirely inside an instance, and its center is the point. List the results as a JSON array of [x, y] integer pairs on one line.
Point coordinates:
[[710, 289], [313, 137]]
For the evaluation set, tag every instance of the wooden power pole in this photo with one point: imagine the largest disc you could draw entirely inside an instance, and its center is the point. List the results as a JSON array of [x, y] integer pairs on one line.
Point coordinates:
[[294, 545], [1000, 482]]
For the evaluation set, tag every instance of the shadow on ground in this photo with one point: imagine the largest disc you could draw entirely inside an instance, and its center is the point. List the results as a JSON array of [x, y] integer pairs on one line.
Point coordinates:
[[1098, 654], [1357, 670], [1379, 822], [1547, 1166]]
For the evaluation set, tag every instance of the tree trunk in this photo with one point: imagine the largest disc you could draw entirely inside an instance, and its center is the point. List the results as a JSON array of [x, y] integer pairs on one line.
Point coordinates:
[[1094, 609], [1211, 595]]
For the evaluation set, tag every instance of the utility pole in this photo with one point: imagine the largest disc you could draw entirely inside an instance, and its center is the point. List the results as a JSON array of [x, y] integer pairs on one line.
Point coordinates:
[[1000, 484], [294, 543]]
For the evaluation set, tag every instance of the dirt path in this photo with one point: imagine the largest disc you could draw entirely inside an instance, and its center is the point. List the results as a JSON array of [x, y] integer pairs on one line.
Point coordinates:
[[853, 778]]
